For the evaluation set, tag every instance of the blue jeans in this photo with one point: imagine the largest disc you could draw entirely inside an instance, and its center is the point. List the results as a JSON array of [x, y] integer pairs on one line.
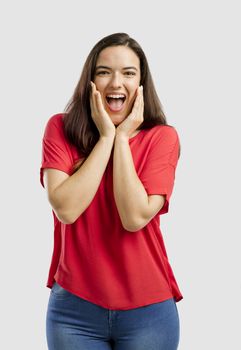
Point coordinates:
[[73, 323]]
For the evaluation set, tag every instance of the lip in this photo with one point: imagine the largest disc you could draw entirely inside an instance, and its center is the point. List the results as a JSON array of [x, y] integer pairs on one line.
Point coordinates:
[[116, 110], [115, 93]]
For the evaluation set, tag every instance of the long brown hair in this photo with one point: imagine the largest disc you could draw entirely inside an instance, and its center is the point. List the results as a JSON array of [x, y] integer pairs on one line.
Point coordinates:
[[79, 126]]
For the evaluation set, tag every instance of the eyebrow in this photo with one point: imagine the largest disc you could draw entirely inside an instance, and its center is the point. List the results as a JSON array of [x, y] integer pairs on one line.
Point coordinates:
[[105, 67]]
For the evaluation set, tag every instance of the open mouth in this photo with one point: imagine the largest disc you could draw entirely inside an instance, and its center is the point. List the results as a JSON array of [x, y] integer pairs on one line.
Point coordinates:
[[116, 103]]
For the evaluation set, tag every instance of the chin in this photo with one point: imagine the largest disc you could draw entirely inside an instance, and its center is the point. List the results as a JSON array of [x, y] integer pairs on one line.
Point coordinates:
[[117, 120]]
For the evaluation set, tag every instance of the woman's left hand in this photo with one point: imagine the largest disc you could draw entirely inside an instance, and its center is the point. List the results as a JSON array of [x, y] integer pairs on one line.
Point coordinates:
[[135, 118]]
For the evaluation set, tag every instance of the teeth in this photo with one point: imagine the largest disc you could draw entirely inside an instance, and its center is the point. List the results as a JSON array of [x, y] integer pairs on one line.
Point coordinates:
[[116, 96]]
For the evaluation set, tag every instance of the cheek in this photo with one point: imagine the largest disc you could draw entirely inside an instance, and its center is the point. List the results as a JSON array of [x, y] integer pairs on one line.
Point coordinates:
[[133, 87], [100, 84], [133, 95]]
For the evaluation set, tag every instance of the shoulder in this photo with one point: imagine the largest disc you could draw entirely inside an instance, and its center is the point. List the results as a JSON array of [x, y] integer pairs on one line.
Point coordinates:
[[54, 126], [165, 134], [56, 120], [166, 143]]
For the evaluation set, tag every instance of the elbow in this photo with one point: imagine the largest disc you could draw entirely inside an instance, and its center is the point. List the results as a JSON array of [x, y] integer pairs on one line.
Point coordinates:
[[67, 221], [131, 228], [134, 225], [67, 216], [63, 217]]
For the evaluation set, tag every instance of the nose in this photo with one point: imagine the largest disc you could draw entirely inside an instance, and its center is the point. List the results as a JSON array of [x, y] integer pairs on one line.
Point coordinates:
[[116, 81]]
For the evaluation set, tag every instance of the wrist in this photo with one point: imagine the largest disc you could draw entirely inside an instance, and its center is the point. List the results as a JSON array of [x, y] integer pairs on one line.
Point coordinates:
[[121, 136], [107, 139]]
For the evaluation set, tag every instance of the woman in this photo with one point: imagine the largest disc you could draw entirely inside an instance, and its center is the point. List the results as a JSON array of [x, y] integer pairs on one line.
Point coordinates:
[[108, 167]]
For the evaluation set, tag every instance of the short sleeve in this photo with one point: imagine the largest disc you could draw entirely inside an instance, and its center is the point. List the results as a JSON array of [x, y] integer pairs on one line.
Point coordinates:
[[56, 152], [158, 174]]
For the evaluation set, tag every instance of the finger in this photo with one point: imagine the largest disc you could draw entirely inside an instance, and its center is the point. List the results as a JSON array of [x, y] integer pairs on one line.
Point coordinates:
[[91, 104], [136, 103], [97, 98], [99, 103], [141, 98], [93, 97], [140, 108], [140, 93]]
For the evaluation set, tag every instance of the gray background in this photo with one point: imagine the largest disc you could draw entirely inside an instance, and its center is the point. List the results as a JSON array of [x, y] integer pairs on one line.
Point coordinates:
[[192, 48]]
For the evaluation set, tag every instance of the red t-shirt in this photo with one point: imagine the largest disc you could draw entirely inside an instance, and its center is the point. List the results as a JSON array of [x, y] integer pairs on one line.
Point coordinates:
[[95, 258]]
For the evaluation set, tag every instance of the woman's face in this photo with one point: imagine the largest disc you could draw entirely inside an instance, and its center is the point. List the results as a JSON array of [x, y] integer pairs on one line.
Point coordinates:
[[119, 75]]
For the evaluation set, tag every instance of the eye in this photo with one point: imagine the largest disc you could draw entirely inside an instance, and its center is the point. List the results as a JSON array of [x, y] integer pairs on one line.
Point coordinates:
[[130, 73], [102, 72], [105, 72]]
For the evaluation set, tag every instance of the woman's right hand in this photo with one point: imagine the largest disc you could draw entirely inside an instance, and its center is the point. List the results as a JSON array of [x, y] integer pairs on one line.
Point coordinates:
[[101, 118]]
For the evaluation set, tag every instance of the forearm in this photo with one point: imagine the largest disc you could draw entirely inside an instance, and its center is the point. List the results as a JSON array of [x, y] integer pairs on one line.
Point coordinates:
[[75, 194], [129, 193]]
